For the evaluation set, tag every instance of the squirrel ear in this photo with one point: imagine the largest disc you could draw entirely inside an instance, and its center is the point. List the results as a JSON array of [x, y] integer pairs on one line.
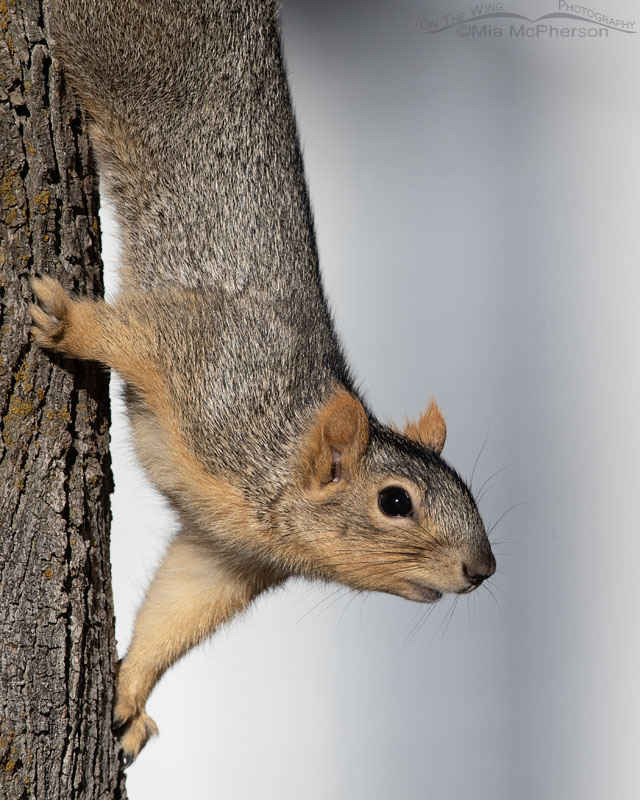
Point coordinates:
[[337, 440], [430, 430]]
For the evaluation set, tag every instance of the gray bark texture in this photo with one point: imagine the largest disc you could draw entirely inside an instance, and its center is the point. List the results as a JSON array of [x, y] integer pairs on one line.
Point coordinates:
[[57, 645]]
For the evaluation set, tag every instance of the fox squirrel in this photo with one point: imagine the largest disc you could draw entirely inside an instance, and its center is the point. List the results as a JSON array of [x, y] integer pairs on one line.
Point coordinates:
[[244, 412]]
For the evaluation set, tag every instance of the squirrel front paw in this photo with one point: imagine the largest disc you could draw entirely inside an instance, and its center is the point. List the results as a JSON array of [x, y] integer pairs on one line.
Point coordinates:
[[136, 732], [134, 727]]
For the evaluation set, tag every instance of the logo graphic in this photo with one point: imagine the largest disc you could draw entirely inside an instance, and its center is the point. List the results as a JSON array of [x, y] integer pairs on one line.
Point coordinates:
[[570, 21]]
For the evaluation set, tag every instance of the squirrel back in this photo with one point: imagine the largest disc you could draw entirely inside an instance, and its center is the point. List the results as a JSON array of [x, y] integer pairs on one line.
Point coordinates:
[[191, 116]]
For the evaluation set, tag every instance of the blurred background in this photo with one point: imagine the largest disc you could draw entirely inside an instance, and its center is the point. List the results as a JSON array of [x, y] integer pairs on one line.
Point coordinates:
[[476, 203]]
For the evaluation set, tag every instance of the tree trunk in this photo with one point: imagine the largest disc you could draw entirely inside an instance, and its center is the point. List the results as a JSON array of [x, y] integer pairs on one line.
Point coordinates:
[[57, 646]]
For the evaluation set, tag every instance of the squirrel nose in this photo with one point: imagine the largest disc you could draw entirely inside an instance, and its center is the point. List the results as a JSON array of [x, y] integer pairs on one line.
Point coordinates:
[[477, 570]]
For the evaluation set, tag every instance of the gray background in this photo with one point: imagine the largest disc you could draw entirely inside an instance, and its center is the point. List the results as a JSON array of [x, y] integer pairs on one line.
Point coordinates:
[[476, 202]]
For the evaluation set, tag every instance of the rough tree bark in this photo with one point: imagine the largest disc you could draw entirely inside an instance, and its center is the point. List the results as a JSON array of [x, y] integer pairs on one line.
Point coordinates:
[[57, 647]]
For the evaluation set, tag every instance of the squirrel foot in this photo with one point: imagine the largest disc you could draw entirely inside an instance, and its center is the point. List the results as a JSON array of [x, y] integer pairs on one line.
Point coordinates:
[[76, 327], [50, 318], [135, 727]]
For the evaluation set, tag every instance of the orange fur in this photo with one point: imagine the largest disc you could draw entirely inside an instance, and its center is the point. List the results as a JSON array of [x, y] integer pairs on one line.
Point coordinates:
[[92, 330], [430, 430], [341, 427]]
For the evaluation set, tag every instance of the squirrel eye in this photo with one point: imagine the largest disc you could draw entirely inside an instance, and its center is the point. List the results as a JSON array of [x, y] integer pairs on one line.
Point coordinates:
[[395, 502]]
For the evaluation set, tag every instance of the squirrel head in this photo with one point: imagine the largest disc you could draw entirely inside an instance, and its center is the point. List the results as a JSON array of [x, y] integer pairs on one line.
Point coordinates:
[[380, 510]]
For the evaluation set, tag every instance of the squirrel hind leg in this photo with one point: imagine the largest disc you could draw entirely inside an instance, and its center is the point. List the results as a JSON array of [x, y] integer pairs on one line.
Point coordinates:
[[93, 330], [76, 327], [50, 317]]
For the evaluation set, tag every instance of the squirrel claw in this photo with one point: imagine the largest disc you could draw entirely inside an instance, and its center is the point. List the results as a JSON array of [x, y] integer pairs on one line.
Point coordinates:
[[118, 723], [134, 734]]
